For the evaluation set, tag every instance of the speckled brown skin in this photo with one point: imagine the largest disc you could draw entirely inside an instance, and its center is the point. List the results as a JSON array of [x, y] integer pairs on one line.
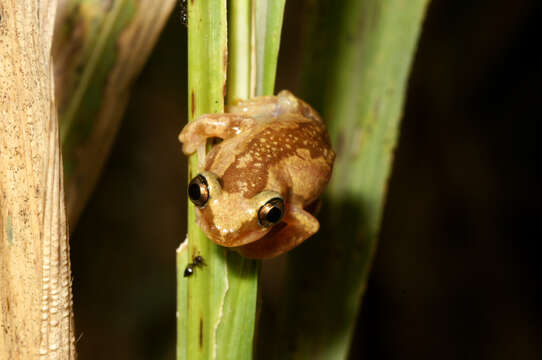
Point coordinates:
[[272, 146]]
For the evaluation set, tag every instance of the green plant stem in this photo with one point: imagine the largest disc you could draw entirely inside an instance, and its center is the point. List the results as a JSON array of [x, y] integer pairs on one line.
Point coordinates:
[[217, 305], [202, 295], [357, 69]]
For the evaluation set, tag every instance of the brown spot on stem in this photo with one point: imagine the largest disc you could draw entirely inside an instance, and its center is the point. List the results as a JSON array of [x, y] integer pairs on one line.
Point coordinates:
[[191, 1], [225, 65], [193, 102], [1, 16], [201, 333]]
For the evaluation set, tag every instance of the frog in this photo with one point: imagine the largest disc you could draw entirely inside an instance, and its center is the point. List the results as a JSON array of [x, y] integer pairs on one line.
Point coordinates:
[[258, 188]]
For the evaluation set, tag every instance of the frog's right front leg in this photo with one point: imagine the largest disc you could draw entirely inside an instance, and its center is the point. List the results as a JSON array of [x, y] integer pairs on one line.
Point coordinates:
[[195, 134]]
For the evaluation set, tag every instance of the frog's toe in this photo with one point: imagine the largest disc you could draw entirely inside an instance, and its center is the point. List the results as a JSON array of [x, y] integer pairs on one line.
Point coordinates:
[[188, 148], [191, 142]]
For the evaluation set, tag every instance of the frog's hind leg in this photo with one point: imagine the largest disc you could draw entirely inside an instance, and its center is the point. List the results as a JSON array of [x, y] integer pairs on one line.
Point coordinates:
[[296, 227], [265, 107], [257, 107], [195, 134]]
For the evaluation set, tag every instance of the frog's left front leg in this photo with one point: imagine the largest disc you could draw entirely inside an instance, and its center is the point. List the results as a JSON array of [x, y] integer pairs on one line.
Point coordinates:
[[195, 134], [296, 226]]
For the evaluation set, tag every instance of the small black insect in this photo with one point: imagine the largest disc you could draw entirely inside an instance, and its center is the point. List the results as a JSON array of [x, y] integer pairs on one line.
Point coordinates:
[[184, 12], [189, 270], [196, 261]]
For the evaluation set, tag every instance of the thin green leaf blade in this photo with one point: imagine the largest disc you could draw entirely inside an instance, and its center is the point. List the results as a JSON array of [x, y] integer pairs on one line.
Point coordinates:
[[239, 50], [268, 26], [236, 330], [357, 74]]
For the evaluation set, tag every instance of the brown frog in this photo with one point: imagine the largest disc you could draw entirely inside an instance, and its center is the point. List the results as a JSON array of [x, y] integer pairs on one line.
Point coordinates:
[[258, 186]]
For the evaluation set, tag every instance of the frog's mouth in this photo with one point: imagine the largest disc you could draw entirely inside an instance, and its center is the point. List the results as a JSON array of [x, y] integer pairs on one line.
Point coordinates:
[[269, 245], [247, 233]]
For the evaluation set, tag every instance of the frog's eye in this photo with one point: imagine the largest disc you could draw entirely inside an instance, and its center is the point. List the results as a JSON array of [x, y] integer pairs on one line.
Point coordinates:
[[198, 191], [271, 212]]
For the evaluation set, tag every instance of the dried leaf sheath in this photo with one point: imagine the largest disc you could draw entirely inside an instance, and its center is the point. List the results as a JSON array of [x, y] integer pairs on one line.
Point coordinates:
[[35, 277]]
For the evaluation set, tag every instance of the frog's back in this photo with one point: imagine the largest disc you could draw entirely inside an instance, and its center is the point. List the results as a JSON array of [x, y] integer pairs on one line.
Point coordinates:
[[291, 151]]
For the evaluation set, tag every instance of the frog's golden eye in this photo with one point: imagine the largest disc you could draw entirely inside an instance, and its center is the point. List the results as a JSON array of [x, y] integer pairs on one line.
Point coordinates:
[[271, 212], [198, 191]]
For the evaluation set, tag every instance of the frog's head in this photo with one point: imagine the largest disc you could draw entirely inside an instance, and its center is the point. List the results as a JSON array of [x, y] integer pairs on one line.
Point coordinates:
[[229, 218]]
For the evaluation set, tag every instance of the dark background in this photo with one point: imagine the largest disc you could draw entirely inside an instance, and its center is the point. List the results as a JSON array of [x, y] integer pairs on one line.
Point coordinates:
[[455, 275]]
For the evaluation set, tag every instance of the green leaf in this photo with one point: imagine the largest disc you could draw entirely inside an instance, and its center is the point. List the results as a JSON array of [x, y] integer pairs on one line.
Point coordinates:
[[359, 57], [268, 25]]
